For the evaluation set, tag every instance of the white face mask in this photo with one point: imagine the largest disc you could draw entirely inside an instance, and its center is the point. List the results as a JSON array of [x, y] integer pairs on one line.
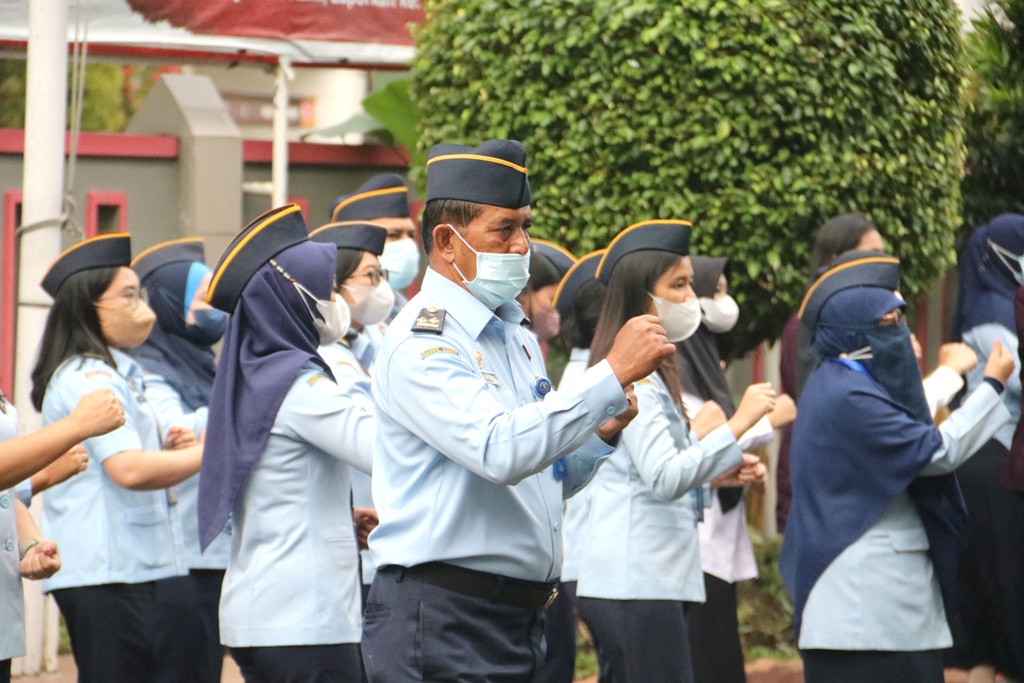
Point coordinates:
[[401, 259], [335, 317], [499, 277], [720, 315], [679, 320], [371, 305]]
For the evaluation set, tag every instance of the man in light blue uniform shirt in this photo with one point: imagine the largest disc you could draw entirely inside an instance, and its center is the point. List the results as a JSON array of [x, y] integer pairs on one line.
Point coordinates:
[[474, 451]]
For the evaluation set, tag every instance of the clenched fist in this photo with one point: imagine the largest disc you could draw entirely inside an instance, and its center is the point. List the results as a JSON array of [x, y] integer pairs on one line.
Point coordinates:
[[98, 412], [639, 348], [758, 400], [1000, 363]]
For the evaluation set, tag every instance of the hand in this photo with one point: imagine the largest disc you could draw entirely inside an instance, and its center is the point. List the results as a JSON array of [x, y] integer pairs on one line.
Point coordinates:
[[41, 561], [709, 418], [612, 427], [98, 412], [1000, 363], [639, 348], [61, 469], [365, 521], [751, 473], [179, 437], [784, 412], [758, 400], [958, 357]]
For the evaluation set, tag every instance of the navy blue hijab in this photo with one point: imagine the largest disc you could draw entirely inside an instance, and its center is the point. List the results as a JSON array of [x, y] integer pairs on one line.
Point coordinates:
[[856, 447], [270, 336], [987, 285], [188, 367]]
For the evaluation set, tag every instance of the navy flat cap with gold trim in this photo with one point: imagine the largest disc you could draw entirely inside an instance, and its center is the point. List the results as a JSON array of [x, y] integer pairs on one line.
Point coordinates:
[[261, 240], [670, 235], [852, 269], [581, 272], [189, 250], [102, 251], [382, 196], [493, 173], [352, 235], [559, 257]]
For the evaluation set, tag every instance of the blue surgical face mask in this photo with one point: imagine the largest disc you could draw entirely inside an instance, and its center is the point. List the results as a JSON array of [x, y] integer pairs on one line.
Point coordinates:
[[401, 259], [499, 277], [208, 327]]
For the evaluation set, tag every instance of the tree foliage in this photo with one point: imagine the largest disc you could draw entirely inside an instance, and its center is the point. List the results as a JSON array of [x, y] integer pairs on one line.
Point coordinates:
[[757, 119], [995, 119]]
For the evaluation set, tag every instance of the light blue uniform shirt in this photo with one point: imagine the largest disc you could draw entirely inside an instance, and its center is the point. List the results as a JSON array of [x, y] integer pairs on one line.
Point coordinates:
[[641, 540], [576, 509], [12, 603], [106, 533], [171, 412], [881, 593], [465, 447], [354, 381], [980, 339], [293, 575]]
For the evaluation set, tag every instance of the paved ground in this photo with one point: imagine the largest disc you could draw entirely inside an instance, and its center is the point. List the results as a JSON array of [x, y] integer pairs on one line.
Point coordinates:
[[761, 671]]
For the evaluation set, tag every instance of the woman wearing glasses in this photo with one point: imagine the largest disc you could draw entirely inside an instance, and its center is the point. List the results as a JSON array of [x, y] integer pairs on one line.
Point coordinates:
[[364, 287], [112, 521]]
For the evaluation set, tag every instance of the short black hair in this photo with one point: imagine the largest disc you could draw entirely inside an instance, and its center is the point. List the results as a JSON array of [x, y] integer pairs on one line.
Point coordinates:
[[440, 211], [542, 272], [348, 261]]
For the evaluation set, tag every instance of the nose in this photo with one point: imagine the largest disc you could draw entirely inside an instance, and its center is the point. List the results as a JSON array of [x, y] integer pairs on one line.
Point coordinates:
[[519, 242], [690, 294]]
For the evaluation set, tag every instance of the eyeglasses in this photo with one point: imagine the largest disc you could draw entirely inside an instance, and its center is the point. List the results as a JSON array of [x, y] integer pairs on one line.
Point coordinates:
[[376, 275], [132, 297], [895, 317]]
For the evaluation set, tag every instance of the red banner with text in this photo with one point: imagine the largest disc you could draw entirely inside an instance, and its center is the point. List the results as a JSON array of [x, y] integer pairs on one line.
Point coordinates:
[[352, 21]]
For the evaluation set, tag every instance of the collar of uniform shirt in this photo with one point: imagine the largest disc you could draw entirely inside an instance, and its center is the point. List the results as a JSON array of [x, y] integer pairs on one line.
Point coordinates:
[[465, 308]]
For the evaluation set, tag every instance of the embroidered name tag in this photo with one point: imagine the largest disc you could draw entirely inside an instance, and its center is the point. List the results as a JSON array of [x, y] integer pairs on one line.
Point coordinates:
[[439, 349]]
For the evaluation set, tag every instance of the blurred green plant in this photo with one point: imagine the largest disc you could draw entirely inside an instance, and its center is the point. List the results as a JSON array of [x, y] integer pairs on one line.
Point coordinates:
[[765, 612], [995, 117], [758, 119]]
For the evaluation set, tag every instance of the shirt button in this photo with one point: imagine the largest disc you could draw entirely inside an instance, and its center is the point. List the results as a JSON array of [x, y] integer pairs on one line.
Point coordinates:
[[523, 403], [610, 410], [4, 502], [9, 545], [558, 526]]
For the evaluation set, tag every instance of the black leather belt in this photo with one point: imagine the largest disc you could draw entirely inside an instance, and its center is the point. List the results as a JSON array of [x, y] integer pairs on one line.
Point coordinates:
[[491, 587]]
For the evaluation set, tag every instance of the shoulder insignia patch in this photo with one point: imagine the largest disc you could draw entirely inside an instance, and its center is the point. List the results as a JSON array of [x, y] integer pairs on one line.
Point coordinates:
[[439, 349], [430, 319], [314, 379], [99, 373]]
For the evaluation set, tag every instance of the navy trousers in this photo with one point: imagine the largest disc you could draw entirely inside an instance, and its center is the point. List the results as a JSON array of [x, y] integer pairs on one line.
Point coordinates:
[[850, 666], [300, 663], [560, 636], [639, 641], [414, 631], [715, 635], [110, 631], [187, 631]]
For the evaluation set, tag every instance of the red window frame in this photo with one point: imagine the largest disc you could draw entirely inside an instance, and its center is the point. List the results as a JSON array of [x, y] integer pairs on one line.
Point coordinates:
[[95, 200], [9, 288]]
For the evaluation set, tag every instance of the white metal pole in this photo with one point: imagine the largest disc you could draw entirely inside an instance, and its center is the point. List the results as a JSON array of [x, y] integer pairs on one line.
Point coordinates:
[[42, 199], [279, 156]]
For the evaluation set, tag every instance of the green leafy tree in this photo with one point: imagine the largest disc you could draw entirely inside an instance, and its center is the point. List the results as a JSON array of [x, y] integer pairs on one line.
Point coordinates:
[[758, 119], [995, 119]]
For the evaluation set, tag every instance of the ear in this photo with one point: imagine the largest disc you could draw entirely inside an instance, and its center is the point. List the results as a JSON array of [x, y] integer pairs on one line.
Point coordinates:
[[442, 236]]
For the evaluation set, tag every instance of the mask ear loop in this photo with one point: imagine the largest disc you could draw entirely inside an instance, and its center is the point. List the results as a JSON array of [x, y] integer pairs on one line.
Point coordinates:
[[317, 322], [1009, 259], [863, 353]]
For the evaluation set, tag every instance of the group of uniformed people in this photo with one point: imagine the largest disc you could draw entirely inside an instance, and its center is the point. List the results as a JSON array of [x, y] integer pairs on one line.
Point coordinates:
[[367, 488]]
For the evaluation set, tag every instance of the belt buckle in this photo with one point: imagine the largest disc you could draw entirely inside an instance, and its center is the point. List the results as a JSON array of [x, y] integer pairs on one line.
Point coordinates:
[[551, 598]]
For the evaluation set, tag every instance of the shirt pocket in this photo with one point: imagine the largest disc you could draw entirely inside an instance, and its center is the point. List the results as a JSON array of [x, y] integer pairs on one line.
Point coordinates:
[[144, 542]]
